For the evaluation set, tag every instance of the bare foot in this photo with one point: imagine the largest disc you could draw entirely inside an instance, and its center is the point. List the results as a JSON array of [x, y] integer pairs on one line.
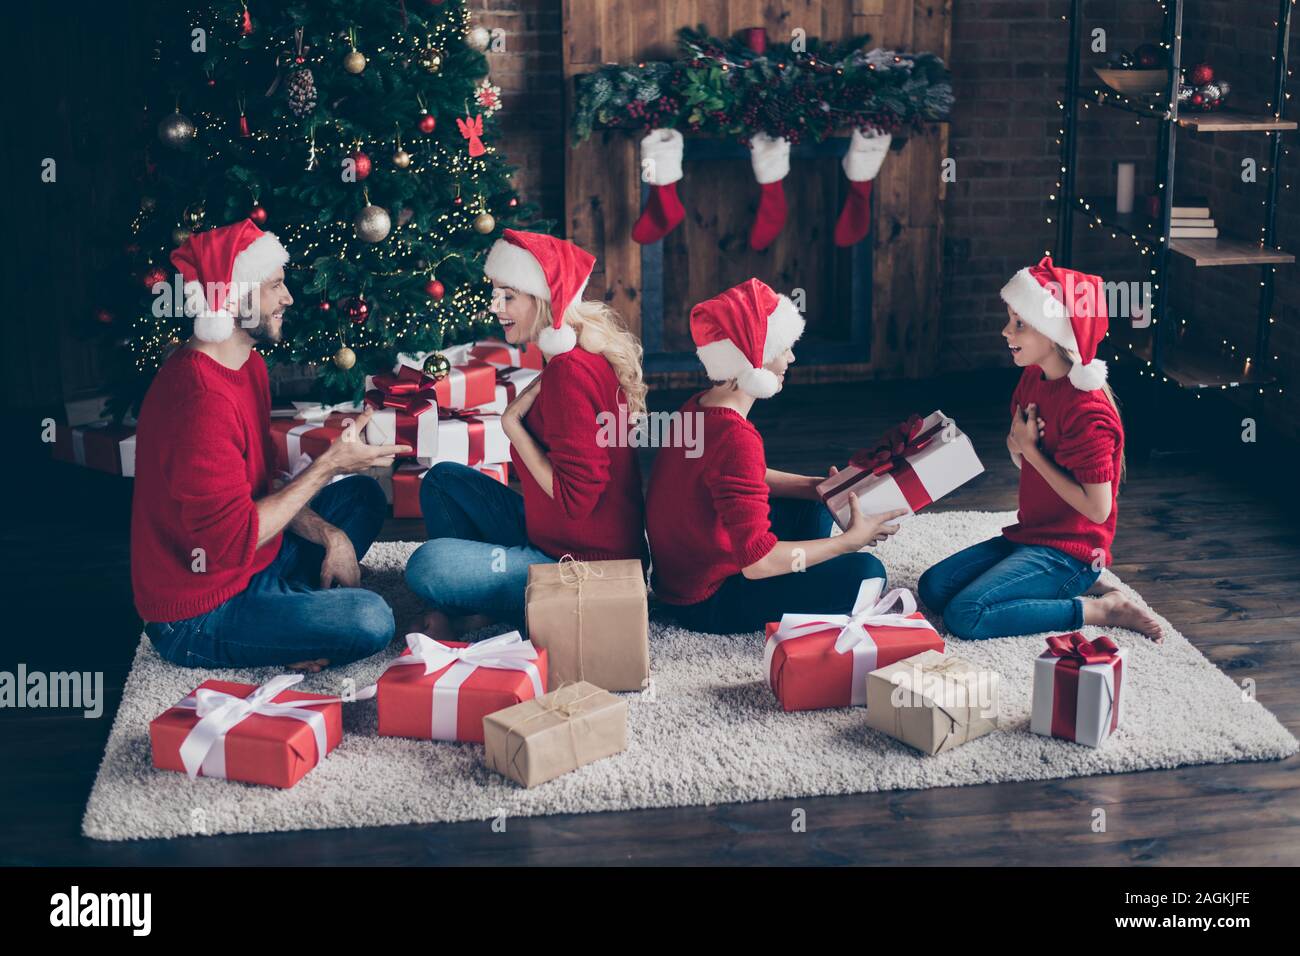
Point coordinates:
[[309, 667], [434, 624], [1114, 609], [471, 622]]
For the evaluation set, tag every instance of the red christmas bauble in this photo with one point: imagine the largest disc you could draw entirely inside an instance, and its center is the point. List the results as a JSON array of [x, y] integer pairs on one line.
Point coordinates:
[[258, 214], [103, 316], [362, 162], [1197, 99], [1201, 74], [211, 82], [457, 201], [324, 306], [513, 202], [132, 248], [427, 123], [435, 289], [358, 310], [300, 59], [153, 276], [1147, 56]]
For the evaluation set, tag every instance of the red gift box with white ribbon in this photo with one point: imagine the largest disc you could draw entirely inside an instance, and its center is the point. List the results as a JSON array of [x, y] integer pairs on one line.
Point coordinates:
[[101, 445], [442, 691], [1078, 688], [409, 476], [308, 429], [814, 661], [915, 463], [271, 734], [510, 382]]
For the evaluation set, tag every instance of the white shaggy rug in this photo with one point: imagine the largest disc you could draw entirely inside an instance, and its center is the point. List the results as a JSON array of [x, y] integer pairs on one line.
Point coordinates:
[[712, 732]]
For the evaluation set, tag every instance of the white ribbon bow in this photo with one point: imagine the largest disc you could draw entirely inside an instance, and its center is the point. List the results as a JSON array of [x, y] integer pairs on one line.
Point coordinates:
[[869, 610], [505, 651], [204, 747]]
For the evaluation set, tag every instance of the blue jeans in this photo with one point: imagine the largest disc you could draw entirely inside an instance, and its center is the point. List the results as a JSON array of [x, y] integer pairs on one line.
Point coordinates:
[[998, 588], [283, 616], [477, 556], [742, 604]]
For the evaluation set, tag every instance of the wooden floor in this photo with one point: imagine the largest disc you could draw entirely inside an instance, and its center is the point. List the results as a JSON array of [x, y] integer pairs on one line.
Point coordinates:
[[1209, 533]]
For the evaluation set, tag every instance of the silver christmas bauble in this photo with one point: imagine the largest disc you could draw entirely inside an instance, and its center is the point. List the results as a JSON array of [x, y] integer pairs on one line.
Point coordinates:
[[176, 130], [373, 224]]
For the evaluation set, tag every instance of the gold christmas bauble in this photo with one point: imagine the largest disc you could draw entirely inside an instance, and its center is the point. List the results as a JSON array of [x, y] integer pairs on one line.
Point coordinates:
[[432, 59], [484, 223], [401, 159], [354, 62], [438, 366], [177, 131], [345, 358], [373, 224], [179, 235]]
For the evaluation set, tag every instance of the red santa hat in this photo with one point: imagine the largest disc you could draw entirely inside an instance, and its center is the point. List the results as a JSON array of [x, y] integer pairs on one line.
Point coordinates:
[[552, 269], [1067, 306], [741, 330], [217, 265]]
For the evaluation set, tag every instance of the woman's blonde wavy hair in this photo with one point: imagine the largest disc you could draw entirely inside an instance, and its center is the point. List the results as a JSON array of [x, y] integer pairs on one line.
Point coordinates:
[[1072, 359], [600, 330]]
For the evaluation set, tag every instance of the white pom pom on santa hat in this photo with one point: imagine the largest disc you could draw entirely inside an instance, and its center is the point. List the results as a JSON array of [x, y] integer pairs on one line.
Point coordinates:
[[741, 330], [1067, 306], [552, 269], [217, 266]]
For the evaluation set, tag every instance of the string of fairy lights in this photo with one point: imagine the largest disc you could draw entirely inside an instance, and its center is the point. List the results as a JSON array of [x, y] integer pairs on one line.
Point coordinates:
[[1147, 244], [415, 246]]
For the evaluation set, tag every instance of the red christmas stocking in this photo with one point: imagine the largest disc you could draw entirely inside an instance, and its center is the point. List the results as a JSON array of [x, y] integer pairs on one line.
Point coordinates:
[[770, 157], [861, 164], [661, 167]]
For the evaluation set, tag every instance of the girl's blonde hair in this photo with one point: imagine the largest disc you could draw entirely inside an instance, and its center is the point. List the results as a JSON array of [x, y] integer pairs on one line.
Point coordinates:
[[600, 330], [1072, 359]]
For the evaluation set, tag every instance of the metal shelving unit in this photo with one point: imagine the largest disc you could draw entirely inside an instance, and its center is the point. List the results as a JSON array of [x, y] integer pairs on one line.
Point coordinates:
[[1181, 363]]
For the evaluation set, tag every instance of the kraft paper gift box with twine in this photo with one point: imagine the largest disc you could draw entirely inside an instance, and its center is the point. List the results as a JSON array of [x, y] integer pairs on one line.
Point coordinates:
[[592, 618], [942, 701], [546, 737]]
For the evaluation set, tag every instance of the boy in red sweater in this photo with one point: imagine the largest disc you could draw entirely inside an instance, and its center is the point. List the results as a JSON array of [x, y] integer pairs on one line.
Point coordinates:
[[737, 544], [227, 573], [581, 494], [1068, 442]]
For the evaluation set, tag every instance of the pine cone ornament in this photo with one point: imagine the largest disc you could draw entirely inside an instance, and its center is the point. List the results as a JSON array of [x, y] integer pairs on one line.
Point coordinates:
[[302, 92]]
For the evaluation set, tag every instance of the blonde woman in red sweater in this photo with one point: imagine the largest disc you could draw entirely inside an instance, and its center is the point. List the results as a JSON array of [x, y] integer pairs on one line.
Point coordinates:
[[581, 491], [1067, 440], [737, 544]]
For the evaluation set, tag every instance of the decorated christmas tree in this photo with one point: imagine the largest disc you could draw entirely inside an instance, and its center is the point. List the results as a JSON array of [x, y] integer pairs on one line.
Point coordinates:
[[361, 134]]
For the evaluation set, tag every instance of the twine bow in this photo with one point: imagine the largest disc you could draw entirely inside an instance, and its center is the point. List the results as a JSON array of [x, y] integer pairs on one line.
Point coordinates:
[[566, 710]]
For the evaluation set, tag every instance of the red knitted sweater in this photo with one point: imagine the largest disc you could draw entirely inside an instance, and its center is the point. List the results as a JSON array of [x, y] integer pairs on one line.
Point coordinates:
[[1084, 436], [708, 517], [597, 513], [203, 454]]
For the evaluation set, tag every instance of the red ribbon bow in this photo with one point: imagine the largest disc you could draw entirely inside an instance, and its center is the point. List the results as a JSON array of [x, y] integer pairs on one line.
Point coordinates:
[[895, 445], [1075, 650], [408, 389]]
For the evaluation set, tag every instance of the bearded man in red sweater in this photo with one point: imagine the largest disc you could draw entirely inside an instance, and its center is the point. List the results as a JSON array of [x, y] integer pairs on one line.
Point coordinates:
[[227, 572]]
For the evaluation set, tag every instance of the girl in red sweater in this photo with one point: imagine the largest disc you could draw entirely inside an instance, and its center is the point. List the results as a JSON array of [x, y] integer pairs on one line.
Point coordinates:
[[737, 544], [581, 491], [1068, 442]]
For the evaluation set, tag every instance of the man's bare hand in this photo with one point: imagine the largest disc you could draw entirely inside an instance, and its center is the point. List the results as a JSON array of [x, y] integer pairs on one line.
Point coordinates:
[[350, 454], [340, 566]]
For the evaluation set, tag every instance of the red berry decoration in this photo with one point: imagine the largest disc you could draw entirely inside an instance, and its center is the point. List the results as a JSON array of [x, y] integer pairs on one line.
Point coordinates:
[[362, 163], [1201, 74], [1147, 56], [153, 276], [1197, 99], [435, 289], [427, 123], [258, 214]]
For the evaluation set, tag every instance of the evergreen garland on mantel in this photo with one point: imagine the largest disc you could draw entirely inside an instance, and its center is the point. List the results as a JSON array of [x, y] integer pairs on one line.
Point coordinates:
[[741, 86]]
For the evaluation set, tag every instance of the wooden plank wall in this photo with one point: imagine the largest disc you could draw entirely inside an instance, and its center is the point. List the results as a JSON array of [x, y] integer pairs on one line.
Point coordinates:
[[602, 191]]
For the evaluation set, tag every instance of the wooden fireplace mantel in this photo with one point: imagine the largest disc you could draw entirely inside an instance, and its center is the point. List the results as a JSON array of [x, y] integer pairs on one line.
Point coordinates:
[[603, 192]]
